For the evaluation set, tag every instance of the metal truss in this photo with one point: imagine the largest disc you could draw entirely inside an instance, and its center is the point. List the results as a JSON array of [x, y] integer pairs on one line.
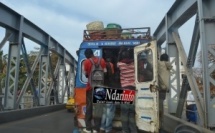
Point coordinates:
[[43, 78], [180, 13], [61, 82], [206, 13], [17, 28]]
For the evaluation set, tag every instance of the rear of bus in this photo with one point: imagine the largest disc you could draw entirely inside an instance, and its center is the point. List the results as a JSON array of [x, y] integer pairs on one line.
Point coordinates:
[[105, 46]]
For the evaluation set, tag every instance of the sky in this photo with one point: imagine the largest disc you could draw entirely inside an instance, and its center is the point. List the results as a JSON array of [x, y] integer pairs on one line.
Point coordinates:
[[65, 20]]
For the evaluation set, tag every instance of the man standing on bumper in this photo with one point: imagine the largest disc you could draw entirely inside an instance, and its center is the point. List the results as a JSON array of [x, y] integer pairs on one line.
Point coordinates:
[[127, 79], [89, 103]]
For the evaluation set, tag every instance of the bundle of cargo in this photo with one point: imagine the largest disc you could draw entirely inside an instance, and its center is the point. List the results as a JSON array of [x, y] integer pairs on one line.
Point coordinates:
[[113, 31], [126, 35], [96, 30]]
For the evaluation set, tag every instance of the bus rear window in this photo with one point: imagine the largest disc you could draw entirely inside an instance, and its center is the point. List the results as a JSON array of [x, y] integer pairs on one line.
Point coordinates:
[[145, 66]]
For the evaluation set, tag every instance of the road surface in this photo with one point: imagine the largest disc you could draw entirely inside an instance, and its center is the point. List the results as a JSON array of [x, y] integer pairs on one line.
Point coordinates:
[[55, 122]]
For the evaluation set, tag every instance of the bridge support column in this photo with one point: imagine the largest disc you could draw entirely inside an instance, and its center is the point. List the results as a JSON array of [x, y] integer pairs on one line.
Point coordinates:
[[206, 13], [190, 62], [61, 82], [12, 76], [190, 77], [43, 78], [72, 79], [173, 95]]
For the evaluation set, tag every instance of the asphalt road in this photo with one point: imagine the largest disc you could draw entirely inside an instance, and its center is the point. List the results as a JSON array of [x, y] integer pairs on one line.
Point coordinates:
[[56, 122]]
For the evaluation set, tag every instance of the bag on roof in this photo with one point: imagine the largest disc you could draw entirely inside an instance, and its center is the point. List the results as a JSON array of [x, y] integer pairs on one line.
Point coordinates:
[[96, 74]]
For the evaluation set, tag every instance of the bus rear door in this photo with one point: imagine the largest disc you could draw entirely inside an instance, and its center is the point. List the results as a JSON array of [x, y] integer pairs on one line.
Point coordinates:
[[146, 102]]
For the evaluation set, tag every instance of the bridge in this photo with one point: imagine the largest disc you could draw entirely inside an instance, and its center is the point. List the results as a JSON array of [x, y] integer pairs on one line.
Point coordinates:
[[17, 104]]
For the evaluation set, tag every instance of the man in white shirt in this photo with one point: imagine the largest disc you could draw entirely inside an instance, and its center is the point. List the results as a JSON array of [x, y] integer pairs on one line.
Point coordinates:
[[190, 98]]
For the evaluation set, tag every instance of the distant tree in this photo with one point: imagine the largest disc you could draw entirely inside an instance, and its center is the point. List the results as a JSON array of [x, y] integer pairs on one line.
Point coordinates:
[[31, 59], [3, 66], [23, 68], [54, 59], [1, 61], [211, 60], [197, 72], [22, 73]]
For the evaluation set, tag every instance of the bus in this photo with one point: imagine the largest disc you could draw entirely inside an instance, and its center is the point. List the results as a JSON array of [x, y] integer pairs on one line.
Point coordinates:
[[141, 45]]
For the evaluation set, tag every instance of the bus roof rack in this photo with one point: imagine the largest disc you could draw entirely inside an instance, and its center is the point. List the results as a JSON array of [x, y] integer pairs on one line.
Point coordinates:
[[117, 34]]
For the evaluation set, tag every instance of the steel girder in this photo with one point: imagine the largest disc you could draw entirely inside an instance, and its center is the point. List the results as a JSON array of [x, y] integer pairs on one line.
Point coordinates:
[[206, 13], [179, 13], [61, 82], [11, 21], [173, 95], [189, 64], [17, 27], [192, 82], [43, 78], [12, 76]]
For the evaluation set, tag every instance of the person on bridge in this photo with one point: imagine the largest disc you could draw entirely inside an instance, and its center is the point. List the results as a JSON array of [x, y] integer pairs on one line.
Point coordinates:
[[191, 109], [52, 97], [89, 92]]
